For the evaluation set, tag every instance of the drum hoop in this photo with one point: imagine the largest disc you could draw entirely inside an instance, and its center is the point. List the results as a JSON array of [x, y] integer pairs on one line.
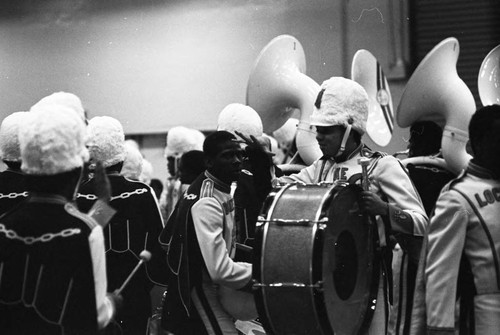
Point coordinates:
[[261, 301]]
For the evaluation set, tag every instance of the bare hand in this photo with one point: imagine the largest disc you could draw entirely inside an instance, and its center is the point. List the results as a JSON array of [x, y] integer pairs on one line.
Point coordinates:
[[372, 204]]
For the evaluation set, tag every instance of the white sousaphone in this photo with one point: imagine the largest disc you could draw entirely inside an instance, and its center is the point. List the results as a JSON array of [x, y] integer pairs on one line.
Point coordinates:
[[488, 80], [436, 93], [367, 72], [278, 86]]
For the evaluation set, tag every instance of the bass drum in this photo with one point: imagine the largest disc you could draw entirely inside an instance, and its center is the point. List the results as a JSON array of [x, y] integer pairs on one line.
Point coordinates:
[[313, 261]]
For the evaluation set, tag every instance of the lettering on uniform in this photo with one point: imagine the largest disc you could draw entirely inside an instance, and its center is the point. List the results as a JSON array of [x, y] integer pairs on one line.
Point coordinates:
[[488, 197], [340, 173]]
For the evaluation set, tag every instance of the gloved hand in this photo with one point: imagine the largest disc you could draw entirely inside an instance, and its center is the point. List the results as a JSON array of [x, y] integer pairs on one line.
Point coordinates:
[[258, 149], [116, 299]]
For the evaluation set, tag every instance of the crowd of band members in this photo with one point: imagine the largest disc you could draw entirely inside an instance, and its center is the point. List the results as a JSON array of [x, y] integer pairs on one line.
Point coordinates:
[[77, 213]]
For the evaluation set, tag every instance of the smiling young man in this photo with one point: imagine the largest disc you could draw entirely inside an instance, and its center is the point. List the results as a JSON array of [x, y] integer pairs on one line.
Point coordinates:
[[340, 115], [199, 238]]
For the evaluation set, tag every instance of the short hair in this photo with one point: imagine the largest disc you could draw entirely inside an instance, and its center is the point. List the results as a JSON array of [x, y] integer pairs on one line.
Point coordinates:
[[483, 123], [212, 143], [425, 138]]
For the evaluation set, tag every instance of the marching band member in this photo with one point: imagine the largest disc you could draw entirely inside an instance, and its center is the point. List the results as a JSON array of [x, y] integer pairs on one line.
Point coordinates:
[[12, 180], [464, 232], [429, 178], [135, 227], [253, 184], [199, 237], [179, 141], [52, 277], [340, 119]]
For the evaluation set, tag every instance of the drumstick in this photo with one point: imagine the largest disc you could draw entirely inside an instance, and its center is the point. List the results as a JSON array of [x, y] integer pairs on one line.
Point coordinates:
[[145, 257]]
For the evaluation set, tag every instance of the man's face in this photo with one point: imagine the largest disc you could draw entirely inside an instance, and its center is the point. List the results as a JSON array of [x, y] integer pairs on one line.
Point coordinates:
[[226, 165], [329, 139]]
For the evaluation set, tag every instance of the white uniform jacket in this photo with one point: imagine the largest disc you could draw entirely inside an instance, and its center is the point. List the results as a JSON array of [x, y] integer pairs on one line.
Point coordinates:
[[466, 222]]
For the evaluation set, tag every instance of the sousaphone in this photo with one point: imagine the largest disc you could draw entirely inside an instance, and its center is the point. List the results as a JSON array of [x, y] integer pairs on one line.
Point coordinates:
[[488, 80], [278, 86], [436, 93], [367, 72]]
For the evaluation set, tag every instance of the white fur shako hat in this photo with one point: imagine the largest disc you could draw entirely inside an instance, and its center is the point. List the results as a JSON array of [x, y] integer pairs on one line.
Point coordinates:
[[52, 142], [241, 118], [181, 140], [132, 165], [341, 102], [106, 140], [9, 136], [66, 99]]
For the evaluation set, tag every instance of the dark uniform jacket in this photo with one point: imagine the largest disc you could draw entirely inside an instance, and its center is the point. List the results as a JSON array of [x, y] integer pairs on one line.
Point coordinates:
[[46, 271], [135, 227]]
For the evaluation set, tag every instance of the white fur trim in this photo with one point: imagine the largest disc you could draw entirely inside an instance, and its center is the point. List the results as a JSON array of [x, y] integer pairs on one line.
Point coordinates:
[[66, 99], [52, 142], [132, 165], [241, 118], [107, 140], [344, 102], [9, 136], [181, 140]]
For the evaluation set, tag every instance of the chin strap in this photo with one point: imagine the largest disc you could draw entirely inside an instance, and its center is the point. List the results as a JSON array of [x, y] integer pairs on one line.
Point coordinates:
[[344, 140]]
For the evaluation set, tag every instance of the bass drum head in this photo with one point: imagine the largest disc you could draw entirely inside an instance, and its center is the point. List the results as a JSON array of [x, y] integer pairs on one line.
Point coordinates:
[[350, 265]]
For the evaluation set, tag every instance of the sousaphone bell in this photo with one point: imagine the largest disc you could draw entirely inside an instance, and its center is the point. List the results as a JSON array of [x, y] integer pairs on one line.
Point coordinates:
[[278, 86], [436, 93], [367, 72], [488, 80]]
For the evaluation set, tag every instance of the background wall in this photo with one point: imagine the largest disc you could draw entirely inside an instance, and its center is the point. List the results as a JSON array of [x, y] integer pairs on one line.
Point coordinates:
[[158, 64]]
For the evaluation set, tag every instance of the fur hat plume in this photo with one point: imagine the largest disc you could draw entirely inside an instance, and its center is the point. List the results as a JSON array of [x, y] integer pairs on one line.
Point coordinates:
[[181, 140], [241, 118], [52, 142], [341, 102], [132, 165], [9, 136], [66, 99], [107, 140]]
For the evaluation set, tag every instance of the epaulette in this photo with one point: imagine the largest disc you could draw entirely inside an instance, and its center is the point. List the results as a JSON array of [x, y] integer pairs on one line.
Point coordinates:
[[247, 172], [207, 188], [369, 153]]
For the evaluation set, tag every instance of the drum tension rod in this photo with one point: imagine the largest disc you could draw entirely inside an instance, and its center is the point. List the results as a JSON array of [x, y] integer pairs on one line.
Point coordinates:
[[291, 222], [318, 285]]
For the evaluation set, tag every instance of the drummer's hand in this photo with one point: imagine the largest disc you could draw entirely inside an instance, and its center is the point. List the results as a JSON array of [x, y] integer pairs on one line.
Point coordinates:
[[372, 204]]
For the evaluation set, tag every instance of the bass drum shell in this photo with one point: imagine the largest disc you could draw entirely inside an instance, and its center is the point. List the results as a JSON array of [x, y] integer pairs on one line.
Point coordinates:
[[288, 260]]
